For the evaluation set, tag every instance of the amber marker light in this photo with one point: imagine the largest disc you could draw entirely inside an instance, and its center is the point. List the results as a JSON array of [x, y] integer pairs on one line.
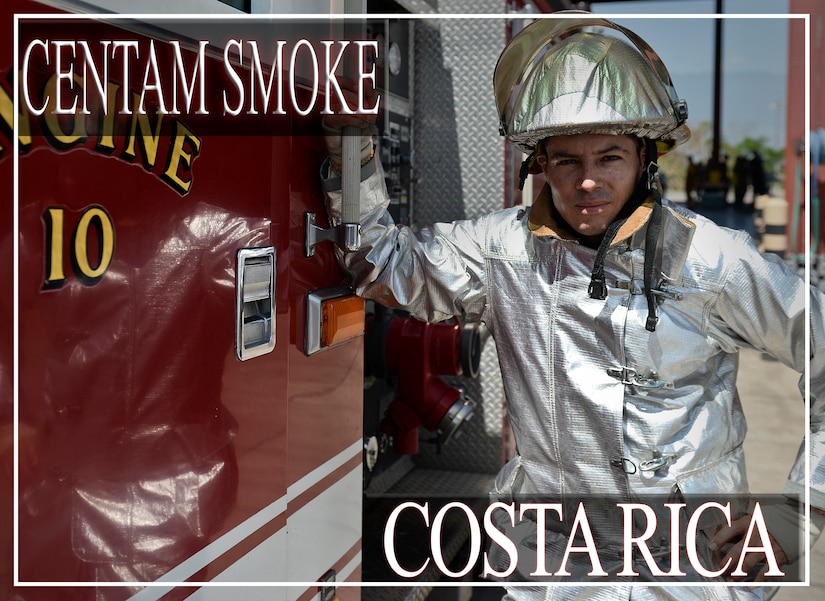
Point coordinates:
[[342, 319]]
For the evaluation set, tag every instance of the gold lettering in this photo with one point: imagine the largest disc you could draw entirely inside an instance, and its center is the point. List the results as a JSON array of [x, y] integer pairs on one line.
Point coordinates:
[[106, 139], [150, 140], [6, 112], [54, 248], [106, 243], [7, 115], [179, 156], [61, 138]]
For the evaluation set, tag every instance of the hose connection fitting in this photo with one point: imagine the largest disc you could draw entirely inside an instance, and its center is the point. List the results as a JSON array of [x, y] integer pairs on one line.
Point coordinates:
[[416, 353]]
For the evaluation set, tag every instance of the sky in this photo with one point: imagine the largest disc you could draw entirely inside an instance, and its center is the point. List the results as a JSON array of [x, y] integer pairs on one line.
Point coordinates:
[[754, 59]]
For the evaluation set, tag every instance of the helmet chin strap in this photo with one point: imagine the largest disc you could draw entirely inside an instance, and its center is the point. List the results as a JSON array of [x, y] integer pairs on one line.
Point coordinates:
[[652, 235], [652, 169], [525, 169]]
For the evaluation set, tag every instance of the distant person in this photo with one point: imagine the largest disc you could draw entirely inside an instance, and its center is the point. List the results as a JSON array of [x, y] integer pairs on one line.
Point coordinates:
[[741, 181], [759, 178]]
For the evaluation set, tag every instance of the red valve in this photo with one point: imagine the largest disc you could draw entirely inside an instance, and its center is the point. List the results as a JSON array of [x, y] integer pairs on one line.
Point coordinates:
[[417, 352]]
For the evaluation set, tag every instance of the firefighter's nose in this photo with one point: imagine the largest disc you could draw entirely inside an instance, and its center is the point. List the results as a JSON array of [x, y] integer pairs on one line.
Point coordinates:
[[588, 184]]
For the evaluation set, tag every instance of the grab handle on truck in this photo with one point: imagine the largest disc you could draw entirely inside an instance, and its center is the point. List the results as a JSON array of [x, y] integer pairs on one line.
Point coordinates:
[[350, 235]]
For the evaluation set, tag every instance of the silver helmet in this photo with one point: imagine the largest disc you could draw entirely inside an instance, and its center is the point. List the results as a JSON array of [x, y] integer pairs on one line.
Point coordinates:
[[564, 76]]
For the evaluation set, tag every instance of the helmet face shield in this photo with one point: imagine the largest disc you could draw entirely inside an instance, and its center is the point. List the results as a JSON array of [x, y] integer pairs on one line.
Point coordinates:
[[570, 76]]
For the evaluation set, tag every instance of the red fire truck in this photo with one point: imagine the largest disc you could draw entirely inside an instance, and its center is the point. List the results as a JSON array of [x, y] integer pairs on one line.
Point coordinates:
[[170, 421], [183, 396]]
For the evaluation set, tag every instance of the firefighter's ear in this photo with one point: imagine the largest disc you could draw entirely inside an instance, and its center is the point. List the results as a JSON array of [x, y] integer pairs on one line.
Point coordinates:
[[538, 160], [538, 164]]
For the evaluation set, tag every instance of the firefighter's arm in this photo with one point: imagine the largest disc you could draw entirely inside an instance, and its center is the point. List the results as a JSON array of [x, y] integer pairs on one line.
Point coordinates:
[[435, 273], [763, 304], [767, 306], [786, 522], [336, 122], [799, 478]]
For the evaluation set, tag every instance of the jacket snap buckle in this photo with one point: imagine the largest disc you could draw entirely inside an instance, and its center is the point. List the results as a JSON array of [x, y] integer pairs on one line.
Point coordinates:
[[624, 464], [638, 287], [624, 374], [629, 376], [666, 292], [651, 465], [634, 286]]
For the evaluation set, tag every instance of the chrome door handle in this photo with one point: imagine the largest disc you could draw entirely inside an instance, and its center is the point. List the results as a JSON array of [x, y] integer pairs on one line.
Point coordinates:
[[255, 302]]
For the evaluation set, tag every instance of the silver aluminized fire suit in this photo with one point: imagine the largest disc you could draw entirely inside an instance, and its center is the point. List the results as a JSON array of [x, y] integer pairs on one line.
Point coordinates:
[[599, 406]]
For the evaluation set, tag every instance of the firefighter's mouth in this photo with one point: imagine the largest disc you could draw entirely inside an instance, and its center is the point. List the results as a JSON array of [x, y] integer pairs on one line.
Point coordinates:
[[593, 208]]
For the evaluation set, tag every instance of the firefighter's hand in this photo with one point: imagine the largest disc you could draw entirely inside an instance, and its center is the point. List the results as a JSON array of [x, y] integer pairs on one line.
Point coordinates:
[[332, 138], [334, 124], [728, 542], [341, 117]]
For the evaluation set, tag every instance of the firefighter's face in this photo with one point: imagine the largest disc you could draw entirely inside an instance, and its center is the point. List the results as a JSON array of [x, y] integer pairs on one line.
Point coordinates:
[[591, 177]]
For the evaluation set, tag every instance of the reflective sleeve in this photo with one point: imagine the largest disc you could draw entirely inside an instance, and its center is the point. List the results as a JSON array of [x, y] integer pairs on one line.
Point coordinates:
[[435, 273], [816, 374], [764, 303]]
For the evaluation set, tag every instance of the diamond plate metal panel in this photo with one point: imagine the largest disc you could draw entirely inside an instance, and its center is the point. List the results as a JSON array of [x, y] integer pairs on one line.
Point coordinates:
[[459, 153], [459, 173]]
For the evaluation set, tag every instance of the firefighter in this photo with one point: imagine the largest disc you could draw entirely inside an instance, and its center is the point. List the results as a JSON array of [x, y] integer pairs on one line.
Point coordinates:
[[741, 182], [617, 315]]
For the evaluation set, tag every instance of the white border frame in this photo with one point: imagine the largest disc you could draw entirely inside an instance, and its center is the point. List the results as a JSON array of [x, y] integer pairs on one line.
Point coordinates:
[[380, 16]]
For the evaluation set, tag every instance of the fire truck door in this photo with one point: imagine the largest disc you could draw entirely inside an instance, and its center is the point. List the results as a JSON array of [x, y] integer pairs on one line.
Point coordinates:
[[152, 449]]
